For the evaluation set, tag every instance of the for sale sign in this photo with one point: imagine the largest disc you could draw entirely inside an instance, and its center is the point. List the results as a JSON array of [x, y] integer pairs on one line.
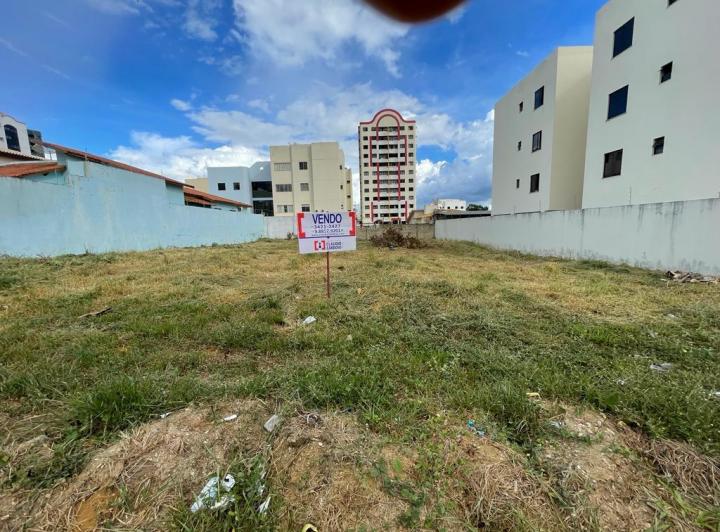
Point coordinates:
[[324, 232]]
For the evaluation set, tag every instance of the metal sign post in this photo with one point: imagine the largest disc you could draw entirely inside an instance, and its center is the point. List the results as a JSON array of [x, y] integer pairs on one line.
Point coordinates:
[[326, 232]]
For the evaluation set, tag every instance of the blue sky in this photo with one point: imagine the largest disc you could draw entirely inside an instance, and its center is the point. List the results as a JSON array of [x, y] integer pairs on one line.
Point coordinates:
[[176, 85]]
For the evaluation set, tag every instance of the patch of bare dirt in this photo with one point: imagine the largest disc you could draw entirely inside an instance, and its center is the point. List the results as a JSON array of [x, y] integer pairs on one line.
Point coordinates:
[[322, 470], [154, 467]]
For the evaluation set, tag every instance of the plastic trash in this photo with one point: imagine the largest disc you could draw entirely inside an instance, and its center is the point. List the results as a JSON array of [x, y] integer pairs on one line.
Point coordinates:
[[556, 424], [532, 395], [271, 423], [309, 528], [208, 496], [265, 505], [231, 417], [166, 414], [715, 394], [475, 429], [661, 368], [309, 320]]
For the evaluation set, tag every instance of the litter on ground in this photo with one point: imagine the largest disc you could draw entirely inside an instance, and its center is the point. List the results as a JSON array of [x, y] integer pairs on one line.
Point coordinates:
[[231, 417], [309, 320], [661, 368], [208, 496], [271, 423]]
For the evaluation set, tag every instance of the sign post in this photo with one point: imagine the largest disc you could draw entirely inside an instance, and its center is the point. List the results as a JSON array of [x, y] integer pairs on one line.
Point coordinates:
[[326, 232]]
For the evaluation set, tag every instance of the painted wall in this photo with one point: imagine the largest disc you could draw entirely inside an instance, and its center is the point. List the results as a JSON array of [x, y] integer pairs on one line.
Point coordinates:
[[244, 176], [562, 119], [662, 236], [682, 109], [278, 227], [95, 208]]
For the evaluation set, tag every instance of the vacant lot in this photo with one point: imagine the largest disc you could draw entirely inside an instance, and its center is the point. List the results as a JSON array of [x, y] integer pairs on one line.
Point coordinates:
[[550, 358]]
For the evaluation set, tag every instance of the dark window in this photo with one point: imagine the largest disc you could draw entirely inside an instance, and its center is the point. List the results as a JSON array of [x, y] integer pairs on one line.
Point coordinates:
[[221, 186], [304, 187], [666, 73], [365, 156], [624, 37], [534, 183], [364, 129], [283, 188], [519, 145], [12, 138], [367, 181], [659, 146], [613, 163], [261, 189], [305, 208], [521, 106], [537, 141], [540, 97], [618, 102], [517, 183], [236, 186], [303, 165], [671, 2]]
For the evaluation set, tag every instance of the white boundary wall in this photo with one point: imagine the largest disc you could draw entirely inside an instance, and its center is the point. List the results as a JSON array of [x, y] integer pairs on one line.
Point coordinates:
[[681, 235]]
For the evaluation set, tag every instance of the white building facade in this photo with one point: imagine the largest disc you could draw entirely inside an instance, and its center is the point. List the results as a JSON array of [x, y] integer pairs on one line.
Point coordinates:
[[251, 185], [310, 177], [653, 112], [539, 141], [387, 145]]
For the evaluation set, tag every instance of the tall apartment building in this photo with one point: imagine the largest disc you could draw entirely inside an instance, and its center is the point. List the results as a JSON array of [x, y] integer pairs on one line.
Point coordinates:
[[653, 113], [387, 168], [310, 177], [540, 130], [247, 185]]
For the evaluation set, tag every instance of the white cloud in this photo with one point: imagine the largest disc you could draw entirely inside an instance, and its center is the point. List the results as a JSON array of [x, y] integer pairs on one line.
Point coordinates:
[[10, 46], [199, 19], [55, 71], [180, 157], [119, 7], [181, 105], [522, 53], [291, 32], [260, 104], [456, 14]]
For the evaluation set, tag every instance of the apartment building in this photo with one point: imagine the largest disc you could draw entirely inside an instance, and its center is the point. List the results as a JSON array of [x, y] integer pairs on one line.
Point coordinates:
[[309, 178], [387, 168], [251, 185], [17, 142], [201, 183], [539, 140], [652, 117]]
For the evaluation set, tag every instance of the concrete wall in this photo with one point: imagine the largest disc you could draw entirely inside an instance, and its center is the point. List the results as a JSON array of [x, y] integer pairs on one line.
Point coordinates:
[[278, 227], [95, 208], [680, 235], [683, 109]]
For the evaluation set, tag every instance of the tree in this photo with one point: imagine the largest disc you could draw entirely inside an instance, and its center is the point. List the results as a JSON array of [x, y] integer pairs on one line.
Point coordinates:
[[477, 207]]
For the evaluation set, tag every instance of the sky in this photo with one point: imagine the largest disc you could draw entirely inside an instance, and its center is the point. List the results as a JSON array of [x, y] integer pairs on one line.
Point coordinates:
[[174, 86]]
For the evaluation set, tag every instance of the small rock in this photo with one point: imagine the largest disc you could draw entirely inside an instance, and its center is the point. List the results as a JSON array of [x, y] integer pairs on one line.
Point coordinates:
[[231, 417], [661, 368], [309, 320]]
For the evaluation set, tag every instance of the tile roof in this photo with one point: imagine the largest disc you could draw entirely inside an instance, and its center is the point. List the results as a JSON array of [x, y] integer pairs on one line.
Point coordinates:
[[29, 168], [17, 155], [205, 198], [109, 162]]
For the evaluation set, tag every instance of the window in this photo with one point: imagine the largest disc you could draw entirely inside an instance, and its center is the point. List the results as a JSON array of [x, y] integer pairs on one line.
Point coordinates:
[[285, 208], [303, 165], [666, 73], [367, 199], [659, 146], [366, 173], [11, 138], [364, 129], [283, 188], [366, 165], [367, 191], [540, 97], [534, 183], [537, 141], [411, 128], [282, 167], [617, 104], [671, 2], [519, 145], [236, 186], [517, 183], [365, 156], [221, 186], [521, 106], [624, 37], [305, 207], [613, 164], [304, 187], [367, 181]]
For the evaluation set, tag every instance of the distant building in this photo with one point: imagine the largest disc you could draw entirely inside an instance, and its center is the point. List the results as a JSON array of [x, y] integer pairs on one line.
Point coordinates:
[[310, 177], [248, 185], [540, 131], [446, 205], [200, 183], [387, 146], [17, 143], [652, 118]]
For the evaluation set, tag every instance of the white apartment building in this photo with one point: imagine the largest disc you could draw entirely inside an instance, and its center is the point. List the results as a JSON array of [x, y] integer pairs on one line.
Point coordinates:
[[251, 185], [310, 177], [653, 106], [387, 145], [17, 142], [539, 140]]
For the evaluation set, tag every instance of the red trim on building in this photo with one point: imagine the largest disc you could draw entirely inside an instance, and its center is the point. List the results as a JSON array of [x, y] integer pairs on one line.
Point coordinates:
[[385, 111]]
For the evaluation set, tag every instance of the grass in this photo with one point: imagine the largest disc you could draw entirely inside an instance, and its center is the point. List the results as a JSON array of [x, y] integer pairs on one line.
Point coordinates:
[[454, 328]]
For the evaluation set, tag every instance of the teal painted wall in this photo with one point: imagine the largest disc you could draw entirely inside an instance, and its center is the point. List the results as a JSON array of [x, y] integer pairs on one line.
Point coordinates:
[[95, 208]]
